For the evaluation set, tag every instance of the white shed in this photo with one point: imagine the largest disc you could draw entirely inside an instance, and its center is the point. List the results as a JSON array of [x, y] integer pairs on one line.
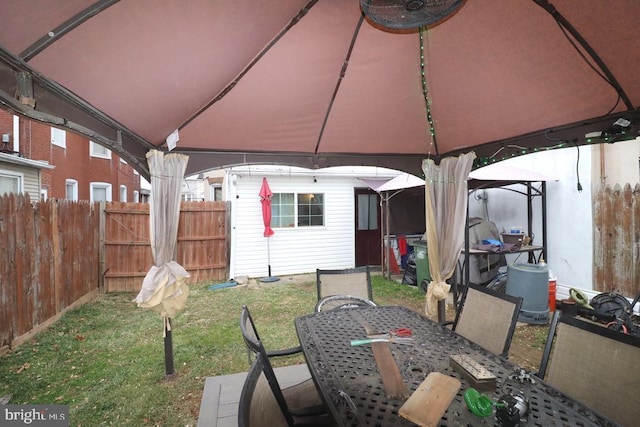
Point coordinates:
[[340, 230]]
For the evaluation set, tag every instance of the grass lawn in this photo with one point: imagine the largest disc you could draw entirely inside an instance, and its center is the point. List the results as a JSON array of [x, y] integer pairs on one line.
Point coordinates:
[[106, 359]]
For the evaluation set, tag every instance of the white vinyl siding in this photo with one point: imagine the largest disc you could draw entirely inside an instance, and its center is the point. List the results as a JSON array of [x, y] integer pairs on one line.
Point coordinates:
[[293, 250]]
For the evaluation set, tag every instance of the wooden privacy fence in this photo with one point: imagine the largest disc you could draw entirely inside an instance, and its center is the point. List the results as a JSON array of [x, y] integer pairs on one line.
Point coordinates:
[[57, 254], [616, 247], [202, 243], [49, 262]]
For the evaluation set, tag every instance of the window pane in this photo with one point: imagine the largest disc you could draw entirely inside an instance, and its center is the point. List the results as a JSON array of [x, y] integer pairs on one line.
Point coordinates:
[[58, 137], [282, 210], [373, 212], [367, 212], [310, 209], [99, 194], [71, 190], [9, 184]]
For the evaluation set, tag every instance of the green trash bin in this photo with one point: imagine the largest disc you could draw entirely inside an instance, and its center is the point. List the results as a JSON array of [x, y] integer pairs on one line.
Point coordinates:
[[422, 264]]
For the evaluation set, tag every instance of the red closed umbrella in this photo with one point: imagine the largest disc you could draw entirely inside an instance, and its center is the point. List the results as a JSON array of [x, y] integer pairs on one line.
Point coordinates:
[[265, 199]]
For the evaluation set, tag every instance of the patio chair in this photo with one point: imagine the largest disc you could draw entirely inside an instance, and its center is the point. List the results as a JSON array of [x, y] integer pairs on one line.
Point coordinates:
[[342, 301], [250, 327], [264, 402], [348, 281], [488, 318], [594, 365]]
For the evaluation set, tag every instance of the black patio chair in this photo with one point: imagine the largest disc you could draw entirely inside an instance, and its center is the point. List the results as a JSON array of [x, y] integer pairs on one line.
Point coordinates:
[[347, 281], [251, 329], [264, 403], [594, 365]]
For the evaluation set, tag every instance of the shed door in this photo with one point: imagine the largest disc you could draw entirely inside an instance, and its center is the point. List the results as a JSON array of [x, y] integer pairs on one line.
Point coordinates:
[[368, 236]]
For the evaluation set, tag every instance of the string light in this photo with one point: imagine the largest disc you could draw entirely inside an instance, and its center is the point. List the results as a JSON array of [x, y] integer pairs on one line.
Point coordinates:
[[425, 92], [511, 151]]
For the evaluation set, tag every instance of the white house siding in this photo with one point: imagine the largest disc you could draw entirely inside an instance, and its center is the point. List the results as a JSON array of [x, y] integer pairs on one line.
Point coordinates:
[[294, 250]]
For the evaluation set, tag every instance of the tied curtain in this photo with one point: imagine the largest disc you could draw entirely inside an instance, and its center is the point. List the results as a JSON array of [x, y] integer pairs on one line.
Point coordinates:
[[164, 288], [446, 197]]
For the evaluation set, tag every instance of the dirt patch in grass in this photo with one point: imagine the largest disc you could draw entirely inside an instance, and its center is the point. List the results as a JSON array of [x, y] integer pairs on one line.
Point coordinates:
[[527, 345]]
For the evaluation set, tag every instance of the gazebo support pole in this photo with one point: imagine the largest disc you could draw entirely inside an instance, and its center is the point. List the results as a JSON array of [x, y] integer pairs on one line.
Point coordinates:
[[168, 350]]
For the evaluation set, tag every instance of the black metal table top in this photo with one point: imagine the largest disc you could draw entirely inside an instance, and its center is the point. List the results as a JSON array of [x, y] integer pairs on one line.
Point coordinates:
[[349, 382]]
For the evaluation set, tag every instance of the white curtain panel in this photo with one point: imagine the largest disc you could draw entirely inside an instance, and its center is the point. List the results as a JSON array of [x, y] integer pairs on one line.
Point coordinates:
[[446, 197]]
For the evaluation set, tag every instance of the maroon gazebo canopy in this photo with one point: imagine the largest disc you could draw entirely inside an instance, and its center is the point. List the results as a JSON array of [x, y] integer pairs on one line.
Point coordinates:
[[308, 83]]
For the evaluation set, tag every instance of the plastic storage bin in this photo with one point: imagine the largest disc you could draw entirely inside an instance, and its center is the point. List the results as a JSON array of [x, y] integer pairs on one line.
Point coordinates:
[[531, 282]]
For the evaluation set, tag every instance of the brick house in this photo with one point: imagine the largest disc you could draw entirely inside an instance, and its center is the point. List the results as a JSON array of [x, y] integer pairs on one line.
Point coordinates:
[[82, 169]]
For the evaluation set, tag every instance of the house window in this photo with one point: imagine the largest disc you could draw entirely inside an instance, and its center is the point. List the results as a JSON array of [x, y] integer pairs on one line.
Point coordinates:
[[123, 193], [215, 192], [100, 192], [310, 209], [303, 210], [97, 150], [44, 194], [71, 189], [59, 137], [136, 196], [10, 182]]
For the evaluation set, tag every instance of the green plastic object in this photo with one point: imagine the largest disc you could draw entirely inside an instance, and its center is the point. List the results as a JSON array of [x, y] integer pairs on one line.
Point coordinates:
[[422, 263], [479, 404]]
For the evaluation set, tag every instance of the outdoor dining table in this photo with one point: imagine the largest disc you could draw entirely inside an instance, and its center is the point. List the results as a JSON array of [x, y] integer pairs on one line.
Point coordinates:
[[349, 381]]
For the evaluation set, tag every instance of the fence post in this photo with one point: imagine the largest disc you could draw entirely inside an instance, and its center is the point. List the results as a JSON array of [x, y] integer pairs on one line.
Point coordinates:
[[102, 249]]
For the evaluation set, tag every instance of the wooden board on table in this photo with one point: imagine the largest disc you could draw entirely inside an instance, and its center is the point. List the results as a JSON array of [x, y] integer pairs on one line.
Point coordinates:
[[391, 376], [430, 401]]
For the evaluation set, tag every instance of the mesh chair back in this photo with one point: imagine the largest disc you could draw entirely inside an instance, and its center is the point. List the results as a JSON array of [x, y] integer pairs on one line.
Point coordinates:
[[596, 366], [350, 281], [488, 318]]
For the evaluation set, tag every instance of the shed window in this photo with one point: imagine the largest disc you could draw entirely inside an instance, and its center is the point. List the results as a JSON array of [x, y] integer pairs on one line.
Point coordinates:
[[283, 210], [310, 209], [302, 210]]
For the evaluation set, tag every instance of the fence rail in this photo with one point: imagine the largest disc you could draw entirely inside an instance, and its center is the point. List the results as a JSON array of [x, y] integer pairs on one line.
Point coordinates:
[[58, 254]]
